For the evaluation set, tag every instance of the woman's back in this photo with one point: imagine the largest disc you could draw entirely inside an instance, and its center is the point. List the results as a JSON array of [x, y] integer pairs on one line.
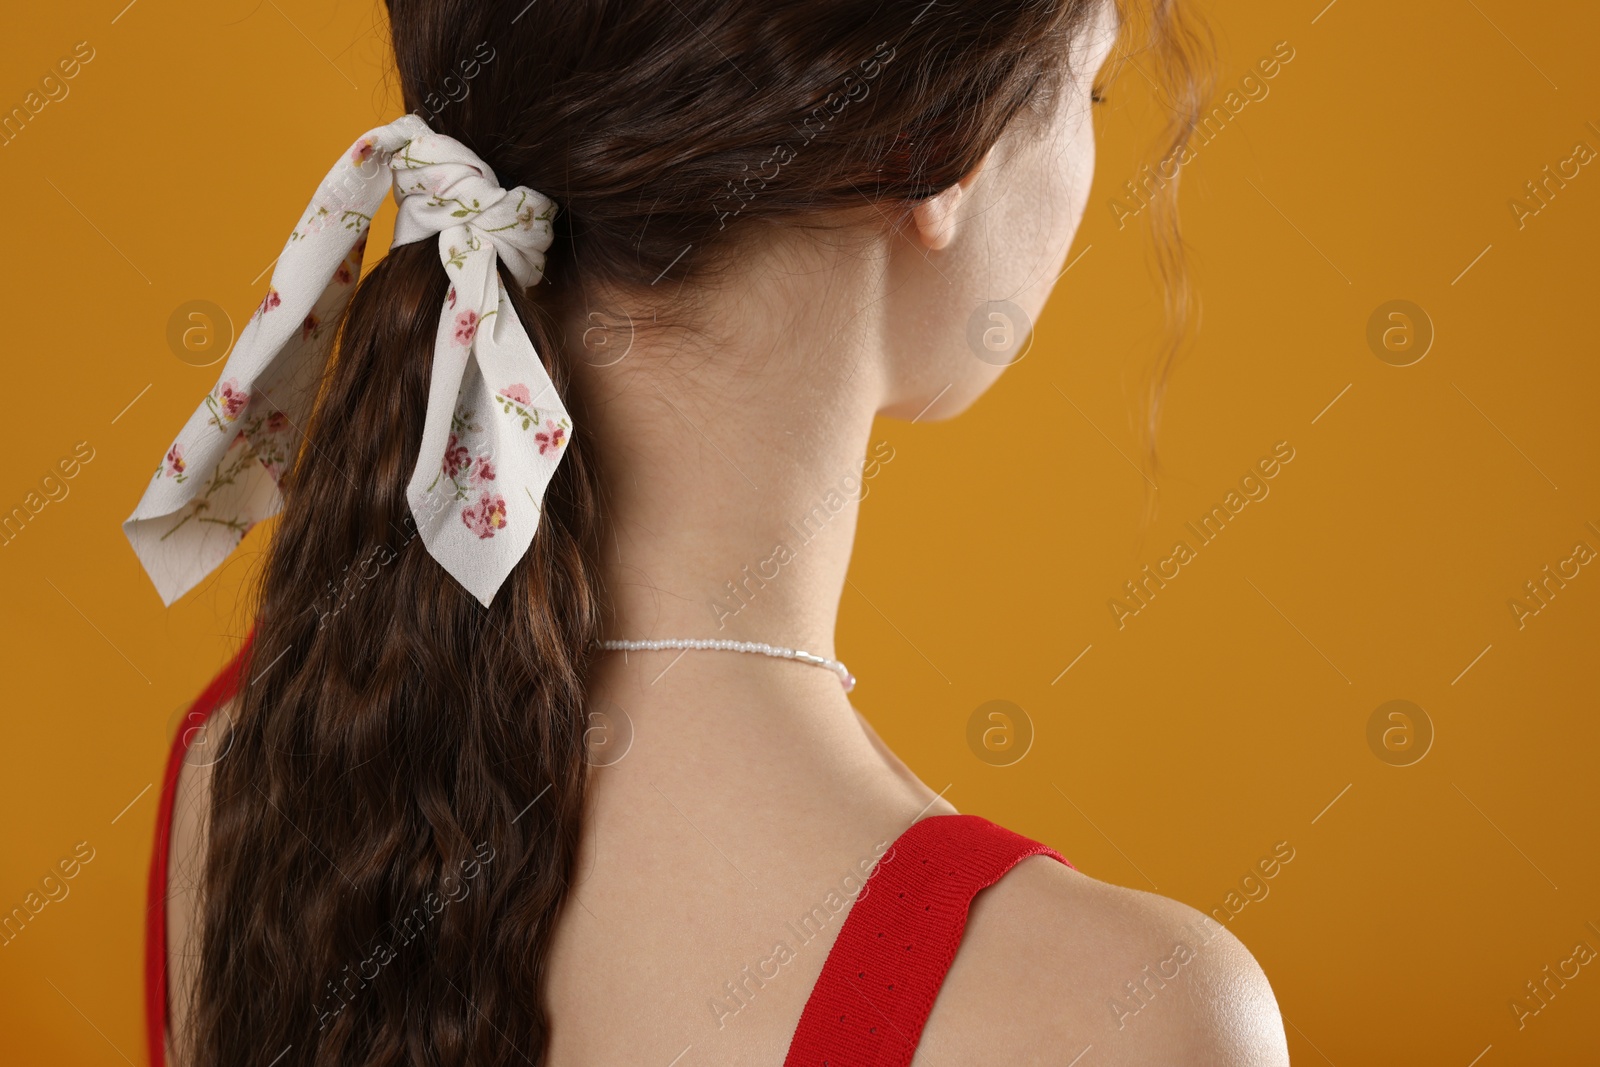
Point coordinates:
[[703, 938], [447, 820]]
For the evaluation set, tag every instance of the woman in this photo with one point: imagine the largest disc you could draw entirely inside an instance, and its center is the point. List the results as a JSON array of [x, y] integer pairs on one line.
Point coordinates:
[[432, 819]]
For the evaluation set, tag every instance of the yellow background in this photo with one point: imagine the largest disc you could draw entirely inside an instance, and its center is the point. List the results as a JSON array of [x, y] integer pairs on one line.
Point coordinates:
[[1229, 715]]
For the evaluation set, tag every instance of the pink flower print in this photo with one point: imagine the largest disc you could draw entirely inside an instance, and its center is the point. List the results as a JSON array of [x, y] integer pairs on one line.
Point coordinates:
[[452, 302], [270, 301], [518, 393], [343, 275], [231, 399], [361, 151], [551, 437], [175, 463], [456, 457], [277, 422], [486, 516], [482, 470], [309, 327], [466, 327]]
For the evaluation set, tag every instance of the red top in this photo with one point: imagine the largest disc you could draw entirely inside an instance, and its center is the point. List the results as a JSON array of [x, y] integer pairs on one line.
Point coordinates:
[[898, 940], [219, 692], [877, 985]]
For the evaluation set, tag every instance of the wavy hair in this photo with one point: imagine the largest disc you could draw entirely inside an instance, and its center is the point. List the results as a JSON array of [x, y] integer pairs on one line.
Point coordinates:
[[393, 831]]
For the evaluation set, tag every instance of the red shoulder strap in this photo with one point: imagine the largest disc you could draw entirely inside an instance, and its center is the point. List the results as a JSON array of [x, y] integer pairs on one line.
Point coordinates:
[[898, 941], [221, 689]]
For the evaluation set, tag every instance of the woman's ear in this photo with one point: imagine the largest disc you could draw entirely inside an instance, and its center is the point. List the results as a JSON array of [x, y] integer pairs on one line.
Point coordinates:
[[935, 218]]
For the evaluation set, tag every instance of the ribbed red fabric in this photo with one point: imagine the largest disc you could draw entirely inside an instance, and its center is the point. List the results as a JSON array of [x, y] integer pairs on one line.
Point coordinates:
[[221, 689], [898, 941]]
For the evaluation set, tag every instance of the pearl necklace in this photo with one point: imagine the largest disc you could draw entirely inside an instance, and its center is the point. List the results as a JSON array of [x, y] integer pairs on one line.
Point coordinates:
[[846, 679]]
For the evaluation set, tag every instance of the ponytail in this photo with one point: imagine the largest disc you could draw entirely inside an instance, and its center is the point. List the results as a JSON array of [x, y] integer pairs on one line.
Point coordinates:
[[396, 820], [394, 825]]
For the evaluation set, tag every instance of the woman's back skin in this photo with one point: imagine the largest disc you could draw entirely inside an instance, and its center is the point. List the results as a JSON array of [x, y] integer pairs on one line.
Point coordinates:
[[733, 793]]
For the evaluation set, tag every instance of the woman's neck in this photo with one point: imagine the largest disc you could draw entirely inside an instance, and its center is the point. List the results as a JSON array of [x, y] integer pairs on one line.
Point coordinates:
[[733, 462]]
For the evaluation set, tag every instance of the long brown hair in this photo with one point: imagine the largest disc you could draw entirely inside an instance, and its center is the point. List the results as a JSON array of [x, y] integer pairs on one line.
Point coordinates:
[[393, 829]]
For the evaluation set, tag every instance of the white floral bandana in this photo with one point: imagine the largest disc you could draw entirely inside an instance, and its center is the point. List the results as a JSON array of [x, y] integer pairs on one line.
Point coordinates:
[[495, 428]]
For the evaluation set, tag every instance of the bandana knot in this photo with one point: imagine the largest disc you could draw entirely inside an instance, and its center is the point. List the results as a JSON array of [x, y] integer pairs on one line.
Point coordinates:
[[444, 189], [494, 431]]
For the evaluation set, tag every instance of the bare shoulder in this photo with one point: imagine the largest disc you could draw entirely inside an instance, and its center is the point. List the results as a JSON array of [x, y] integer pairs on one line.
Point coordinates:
[[1056, 965], [191, 803]]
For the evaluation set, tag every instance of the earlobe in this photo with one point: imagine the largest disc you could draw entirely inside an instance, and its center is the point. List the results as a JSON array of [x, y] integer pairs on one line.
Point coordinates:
[[935, 217]]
